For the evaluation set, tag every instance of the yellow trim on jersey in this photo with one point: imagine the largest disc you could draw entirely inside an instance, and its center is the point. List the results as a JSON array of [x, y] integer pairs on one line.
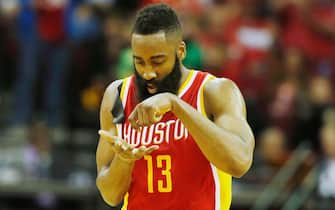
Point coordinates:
[[125, 85], [202, 101], [125, 202], [122, 97], [123, 88], [188, 79], [225, 192], [225, 180]]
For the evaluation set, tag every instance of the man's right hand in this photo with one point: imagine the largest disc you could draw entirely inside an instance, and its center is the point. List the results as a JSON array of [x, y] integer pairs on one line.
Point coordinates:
[[124, 150]]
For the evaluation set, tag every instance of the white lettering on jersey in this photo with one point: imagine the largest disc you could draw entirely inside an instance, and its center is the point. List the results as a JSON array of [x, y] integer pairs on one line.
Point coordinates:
[[155, 134], [167, 133], [159, 133]]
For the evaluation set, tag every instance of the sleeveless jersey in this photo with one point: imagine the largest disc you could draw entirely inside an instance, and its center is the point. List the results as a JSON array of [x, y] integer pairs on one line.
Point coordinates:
[[177, 176]]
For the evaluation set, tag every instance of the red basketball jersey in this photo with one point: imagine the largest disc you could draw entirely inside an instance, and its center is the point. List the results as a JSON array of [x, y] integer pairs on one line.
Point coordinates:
[[177, 176]]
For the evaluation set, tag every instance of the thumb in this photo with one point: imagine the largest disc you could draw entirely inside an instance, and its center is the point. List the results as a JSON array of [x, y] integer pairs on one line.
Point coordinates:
[[108, 136], [151, 149]]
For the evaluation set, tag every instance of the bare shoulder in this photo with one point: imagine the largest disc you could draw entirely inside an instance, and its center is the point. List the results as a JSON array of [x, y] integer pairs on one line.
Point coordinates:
[[107, 104], [111, 92], [112, 88], [220, 87], [219, 83], [223, 95]]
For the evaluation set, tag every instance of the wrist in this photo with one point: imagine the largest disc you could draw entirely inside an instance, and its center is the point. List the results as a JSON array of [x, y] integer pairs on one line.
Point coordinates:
[[124, 160], [173, 102]]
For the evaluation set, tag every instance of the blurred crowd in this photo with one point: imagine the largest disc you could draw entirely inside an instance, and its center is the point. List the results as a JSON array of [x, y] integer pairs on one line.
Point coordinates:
[[57, 57]]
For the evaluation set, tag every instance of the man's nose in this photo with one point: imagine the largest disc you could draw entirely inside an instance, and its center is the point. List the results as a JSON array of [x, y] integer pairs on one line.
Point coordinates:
[[149, 75]]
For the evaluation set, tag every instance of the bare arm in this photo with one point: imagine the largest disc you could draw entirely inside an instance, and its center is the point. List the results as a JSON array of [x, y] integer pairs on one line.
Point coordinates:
[[226, 140], [115, 158], [114, 174]]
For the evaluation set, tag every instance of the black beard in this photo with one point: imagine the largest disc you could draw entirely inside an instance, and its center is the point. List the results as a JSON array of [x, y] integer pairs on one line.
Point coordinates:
[[169, 84]]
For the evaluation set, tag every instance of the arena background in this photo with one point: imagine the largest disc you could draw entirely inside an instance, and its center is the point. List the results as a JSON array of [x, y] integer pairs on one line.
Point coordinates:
[[57, 56]]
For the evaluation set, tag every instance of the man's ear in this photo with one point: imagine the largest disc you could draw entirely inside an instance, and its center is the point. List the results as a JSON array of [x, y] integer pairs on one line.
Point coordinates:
[[181, 50]]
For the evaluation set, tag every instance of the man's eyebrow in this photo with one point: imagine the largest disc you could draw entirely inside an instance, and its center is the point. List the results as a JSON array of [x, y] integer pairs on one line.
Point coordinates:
[[137, 57], [158, 56], [152, 57]]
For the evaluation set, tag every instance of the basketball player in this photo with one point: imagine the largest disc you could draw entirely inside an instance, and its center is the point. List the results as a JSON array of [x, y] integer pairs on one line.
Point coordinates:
[[171, 137]]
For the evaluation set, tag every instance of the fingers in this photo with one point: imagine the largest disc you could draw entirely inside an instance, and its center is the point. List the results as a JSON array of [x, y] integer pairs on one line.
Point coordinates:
[[146, 118], [142, 116], [143, 150], [125, 150], [133, 118], [151, 149], [157, 117], [117, 147], [126, 147], [139, 117], [121, 146]]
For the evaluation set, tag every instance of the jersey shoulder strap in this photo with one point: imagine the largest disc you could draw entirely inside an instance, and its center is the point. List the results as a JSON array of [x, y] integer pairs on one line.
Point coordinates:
[[117, 110]]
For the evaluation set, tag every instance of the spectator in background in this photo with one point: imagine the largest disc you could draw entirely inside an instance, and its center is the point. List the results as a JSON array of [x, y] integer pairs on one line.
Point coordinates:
[[213, 23], [273, 147], [309, 25], [8, 12], [288, 102], [102, 6], [252, 34], [125, 65], [116, 32], [37, 157], [238, 38], [83, 24], [248, 33], [43, 38], [27, 64], [271, 154], [37, 162], [196, 6], [194, 58], [282, 108], [90, 98], [320, 97], [326, 186], [294, 65]]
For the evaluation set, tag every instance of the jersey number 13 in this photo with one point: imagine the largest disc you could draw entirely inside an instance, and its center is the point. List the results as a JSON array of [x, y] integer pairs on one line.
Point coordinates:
[[164, 185]]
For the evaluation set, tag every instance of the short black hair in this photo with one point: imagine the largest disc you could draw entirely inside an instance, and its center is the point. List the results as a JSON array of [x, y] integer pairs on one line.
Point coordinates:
[[156, 17]]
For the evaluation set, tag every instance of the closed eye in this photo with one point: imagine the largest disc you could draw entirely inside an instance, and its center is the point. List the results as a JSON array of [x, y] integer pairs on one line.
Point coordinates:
[[156, 63], [139, 62]]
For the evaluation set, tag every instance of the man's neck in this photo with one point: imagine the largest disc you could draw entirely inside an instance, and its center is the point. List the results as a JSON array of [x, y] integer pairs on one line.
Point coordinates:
[[184, 74]]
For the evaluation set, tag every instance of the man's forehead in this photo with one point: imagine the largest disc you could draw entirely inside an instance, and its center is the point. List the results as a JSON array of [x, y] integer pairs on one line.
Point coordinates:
[[151, 44], [146, 38]]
